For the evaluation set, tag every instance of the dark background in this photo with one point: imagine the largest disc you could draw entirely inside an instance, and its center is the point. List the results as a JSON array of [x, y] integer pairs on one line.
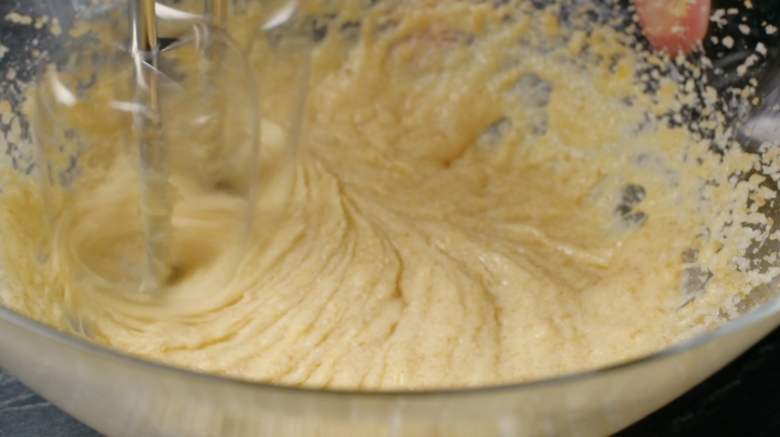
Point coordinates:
[[741, 400]]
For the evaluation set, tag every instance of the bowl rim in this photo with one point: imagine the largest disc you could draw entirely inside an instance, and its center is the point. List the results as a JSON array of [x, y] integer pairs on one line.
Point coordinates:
[[761, 313]]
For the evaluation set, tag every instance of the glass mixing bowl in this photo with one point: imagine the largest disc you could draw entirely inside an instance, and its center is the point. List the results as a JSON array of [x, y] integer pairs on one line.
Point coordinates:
[[120, 396]]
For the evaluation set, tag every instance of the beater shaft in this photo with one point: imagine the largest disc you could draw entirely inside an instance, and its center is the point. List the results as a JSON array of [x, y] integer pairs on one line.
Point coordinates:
[[155, 206], [143, 25], [217, 11]]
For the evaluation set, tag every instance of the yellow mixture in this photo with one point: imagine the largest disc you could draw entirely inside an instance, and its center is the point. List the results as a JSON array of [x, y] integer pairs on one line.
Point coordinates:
[[477, 199]]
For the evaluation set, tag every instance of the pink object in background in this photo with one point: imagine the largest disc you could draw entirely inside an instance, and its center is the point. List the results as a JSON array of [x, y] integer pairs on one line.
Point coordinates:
[[674, 25]]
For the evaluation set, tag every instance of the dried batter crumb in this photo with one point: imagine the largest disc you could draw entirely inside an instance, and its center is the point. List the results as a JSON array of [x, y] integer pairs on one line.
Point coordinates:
[[761, 48], [717, 17], [742, 69], [728, 42], [6, 112], [17, 18], [770, 29], [41, 21], [744, 28], [55, 28]]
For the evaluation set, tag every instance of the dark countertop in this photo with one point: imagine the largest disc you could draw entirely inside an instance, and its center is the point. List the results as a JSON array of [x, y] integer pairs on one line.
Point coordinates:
[[741, 400]]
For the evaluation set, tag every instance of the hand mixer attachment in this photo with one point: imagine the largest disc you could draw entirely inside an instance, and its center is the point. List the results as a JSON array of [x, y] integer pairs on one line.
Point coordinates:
[[149, 155], [155, 206]]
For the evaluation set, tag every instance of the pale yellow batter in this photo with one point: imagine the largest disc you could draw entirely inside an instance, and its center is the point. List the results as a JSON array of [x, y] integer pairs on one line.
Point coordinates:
[[476, 200]]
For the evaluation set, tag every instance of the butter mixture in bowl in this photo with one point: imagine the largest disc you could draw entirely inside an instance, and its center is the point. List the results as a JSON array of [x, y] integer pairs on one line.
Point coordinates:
[[482, 194]]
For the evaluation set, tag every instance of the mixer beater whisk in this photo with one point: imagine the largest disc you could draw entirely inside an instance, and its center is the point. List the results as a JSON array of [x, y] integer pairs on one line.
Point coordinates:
[[183, 113], [155, 206]]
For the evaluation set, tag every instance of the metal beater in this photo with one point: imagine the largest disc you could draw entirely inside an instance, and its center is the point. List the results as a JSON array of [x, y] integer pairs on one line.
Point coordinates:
[[189, 123], [155, 206], [189, 119]]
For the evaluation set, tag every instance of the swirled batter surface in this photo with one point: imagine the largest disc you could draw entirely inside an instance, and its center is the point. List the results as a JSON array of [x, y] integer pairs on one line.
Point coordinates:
[[481, 195]]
